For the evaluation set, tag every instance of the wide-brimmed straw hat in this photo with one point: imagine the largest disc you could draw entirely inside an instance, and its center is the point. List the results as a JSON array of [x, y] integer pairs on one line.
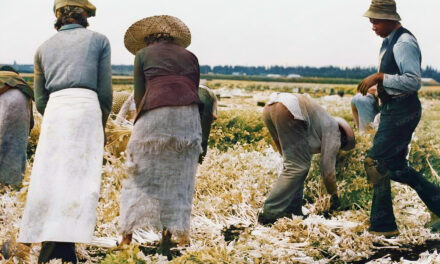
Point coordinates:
[[383, 9], [89, 7], [135, 36], [349, 133]]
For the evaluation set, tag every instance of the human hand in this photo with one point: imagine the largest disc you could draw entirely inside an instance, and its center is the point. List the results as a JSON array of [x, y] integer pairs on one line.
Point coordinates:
[[369, 82], [372, 90]]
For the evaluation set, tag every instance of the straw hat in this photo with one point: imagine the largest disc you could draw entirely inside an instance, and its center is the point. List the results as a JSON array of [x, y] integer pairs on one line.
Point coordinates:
[[135, 36], [345, 127], [383, 9], [89, 7]]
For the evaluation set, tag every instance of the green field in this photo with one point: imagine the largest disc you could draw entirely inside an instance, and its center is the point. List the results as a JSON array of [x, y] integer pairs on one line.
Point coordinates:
[[236, 176]]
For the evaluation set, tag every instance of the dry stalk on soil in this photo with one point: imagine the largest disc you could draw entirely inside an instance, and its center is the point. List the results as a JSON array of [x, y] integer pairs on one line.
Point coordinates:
[[232, 184]]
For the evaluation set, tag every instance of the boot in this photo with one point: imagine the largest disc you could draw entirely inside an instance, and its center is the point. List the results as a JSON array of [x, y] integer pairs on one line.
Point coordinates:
[[382, 219], [387, 234], [57, 250]]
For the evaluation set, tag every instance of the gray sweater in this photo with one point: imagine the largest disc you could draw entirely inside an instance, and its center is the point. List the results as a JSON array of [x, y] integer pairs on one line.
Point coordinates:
[[74, 58]]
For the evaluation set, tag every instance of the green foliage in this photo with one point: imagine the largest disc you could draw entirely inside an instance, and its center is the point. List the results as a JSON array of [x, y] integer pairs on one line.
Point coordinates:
[[128, 256], [247, 128], [238, 127], [126, 80], [280, 79], [430, 92], [315, 89], [353, 190], [425, 150], [125, 83]]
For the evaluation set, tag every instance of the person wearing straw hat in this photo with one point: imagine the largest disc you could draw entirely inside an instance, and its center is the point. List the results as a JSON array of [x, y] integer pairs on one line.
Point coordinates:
[[398, 81], [16, 121], [73, 92], [300, 128], [209, 114], [166, 141]]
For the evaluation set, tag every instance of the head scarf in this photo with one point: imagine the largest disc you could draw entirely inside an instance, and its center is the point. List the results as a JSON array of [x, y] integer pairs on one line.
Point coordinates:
[[69, 11]]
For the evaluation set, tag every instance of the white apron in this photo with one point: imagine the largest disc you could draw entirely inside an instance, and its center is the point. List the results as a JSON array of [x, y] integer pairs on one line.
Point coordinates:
[[66, 177]]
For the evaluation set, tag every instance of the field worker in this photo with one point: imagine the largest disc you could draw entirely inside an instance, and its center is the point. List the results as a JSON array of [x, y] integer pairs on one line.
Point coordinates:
[[300, 128], [165, 144], [398, 81], [364, 109], [207, 116], [73, 92], [15, 124]]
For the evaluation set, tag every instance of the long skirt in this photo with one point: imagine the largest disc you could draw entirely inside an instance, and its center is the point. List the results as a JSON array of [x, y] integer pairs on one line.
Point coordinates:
[[14, 132], [66, 177], [162, 161]]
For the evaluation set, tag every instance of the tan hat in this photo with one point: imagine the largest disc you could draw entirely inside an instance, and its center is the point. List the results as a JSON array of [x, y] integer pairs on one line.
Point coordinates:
[[383, 9], [345, 127], [89, 7], [135, 36]]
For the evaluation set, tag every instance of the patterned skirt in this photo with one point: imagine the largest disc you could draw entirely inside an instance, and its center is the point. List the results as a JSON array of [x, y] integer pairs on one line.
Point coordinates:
[[162, 161], [14, 132]]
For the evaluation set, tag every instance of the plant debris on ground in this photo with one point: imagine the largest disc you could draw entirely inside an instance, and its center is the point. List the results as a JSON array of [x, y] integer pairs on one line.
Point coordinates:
[[232, 184]]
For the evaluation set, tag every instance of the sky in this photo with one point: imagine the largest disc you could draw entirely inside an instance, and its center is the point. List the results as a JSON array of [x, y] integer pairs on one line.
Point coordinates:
[[235, 32]]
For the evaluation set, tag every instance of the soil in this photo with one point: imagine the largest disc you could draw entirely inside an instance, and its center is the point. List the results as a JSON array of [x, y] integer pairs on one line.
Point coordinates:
[[170, 254], [407, 252], [232, 233]]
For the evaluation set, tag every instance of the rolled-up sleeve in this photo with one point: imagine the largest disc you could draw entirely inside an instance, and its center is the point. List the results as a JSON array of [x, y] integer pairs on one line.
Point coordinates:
[[408, 57], [139, 80], [105, 91], [40, 92]]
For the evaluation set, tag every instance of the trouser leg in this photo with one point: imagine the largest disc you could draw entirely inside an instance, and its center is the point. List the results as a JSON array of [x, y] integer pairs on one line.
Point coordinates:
[[286, 196], [428, 192], [57, 250], [382, 217], [398, 121]]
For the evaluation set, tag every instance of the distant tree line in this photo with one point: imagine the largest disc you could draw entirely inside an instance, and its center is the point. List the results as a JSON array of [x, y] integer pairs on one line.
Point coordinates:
[[304, 71]]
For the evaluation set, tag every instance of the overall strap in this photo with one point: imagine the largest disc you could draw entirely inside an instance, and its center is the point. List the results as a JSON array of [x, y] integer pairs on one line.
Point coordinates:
[[388, 64]]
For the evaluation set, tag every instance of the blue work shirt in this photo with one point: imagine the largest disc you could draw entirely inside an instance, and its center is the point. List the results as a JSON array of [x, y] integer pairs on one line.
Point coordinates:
[[408, 56]]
